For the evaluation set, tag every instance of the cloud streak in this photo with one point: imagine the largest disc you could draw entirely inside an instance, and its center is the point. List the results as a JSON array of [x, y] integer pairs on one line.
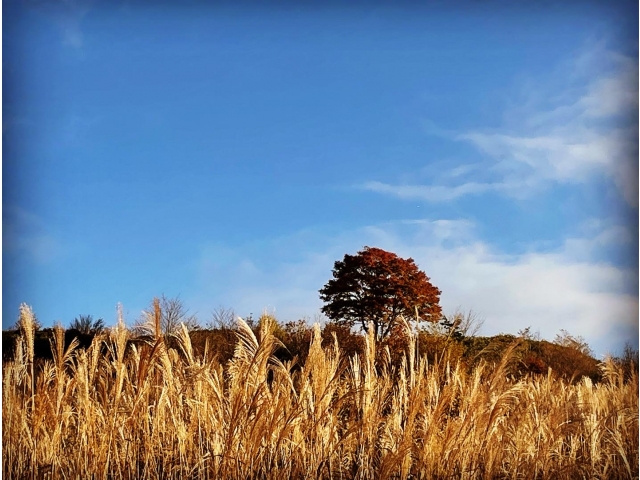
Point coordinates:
[[432, 193], [581, 138]]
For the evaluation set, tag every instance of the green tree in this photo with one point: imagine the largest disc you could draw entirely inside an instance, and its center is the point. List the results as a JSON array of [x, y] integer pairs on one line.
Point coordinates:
[[378, 286]]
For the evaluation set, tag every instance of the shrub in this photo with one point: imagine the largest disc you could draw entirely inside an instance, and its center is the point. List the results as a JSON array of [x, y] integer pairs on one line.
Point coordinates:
[[350, 343]]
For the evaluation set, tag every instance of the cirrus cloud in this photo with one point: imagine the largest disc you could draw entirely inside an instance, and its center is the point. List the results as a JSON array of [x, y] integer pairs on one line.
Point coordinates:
[[585, 134]]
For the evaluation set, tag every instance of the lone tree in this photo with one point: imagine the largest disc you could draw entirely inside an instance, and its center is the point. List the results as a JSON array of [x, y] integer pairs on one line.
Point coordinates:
[[378, 286]]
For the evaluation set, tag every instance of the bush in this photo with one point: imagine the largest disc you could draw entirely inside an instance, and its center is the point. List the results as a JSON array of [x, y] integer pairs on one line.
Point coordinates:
[[438, 348], [567, 362], [297, 338], [350, 343]]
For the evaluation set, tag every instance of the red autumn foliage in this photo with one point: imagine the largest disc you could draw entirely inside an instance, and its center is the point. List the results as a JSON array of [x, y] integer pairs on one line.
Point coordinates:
[[378, 286]]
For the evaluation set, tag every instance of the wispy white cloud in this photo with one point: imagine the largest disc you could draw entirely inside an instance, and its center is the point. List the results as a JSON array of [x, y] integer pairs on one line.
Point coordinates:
[[431, 193], [578, 135], [615, 93], [563, 157], [562, 288]]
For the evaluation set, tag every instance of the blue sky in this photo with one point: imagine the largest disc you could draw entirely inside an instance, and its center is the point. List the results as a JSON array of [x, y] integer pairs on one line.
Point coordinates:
[[230, 154]]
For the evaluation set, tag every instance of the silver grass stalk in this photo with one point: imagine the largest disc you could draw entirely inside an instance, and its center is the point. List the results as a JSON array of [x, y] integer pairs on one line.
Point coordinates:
[[28, 327]]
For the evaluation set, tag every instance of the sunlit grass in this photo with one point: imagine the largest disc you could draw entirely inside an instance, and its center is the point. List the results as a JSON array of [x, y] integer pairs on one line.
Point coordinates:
[[117, 410]]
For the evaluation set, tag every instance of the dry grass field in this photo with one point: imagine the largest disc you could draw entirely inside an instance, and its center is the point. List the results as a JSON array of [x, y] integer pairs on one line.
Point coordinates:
[[149, 412]]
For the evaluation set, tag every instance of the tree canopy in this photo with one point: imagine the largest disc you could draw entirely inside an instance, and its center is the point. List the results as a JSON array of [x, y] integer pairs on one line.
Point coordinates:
[[378, 286]]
